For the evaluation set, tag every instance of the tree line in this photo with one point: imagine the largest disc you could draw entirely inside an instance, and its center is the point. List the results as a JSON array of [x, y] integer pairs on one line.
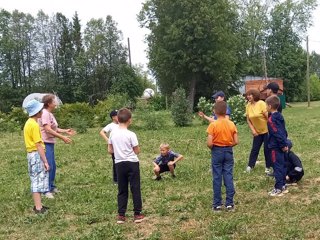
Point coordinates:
[[210, 45], [53, 53]]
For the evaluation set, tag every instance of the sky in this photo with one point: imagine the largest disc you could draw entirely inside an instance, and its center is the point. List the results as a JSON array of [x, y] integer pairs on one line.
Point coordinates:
[[124, 12]]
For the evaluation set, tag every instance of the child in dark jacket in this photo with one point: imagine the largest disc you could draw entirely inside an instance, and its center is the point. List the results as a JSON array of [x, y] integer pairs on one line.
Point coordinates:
[[277, 143], [294, 167]]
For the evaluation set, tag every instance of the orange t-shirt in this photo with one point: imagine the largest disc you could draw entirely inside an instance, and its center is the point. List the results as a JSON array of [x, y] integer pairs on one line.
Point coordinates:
[[222, 131]]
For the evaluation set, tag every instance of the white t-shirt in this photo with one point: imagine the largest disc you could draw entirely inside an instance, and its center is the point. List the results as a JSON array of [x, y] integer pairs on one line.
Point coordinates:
[[110, 127], [123, 141]]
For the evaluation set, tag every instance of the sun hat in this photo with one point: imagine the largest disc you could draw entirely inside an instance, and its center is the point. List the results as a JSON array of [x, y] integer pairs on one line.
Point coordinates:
[[218, 94], [113, 113], [33, 107]]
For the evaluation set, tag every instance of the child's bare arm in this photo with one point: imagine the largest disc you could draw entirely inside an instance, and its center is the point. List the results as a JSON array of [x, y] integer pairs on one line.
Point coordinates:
[[178, 159], [42, 155], [110, 148], [209, 141], [235, 139], [104, 135], [136, 149]]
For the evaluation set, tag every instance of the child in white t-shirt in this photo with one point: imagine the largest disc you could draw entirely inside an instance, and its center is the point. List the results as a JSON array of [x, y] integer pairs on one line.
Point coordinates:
[[124, 144], [105, 132]]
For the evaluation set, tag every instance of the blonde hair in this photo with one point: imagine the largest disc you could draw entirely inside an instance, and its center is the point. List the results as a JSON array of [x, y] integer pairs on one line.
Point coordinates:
[[164, 145]]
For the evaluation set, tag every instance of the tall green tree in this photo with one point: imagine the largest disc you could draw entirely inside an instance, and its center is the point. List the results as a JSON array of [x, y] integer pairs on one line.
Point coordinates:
[[191, 44]]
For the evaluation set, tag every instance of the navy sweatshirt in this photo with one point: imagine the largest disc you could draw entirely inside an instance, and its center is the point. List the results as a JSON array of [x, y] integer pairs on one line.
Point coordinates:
[[277, 131]]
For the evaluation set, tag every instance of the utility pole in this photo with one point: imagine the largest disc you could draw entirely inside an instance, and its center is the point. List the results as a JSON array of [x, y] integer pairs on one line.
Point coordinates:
[[308, 73], [129, 52], [265, 64]]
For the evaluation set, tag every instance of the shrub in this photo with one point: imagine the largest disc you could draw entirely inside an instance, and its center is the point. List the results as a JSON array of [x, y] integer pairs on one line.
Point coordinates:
[[158, 102], [67, 114], [7, 124], [79, 123], [180, 109], [103, 108], [238, 109], [17, 117], [205, 106]]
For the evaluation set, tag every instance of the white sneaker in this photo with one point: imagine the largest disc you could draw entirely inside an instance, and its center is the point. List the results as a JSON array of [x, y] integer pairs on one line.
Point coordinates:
[[267, 170], [248, 169], [49, 195], [275, 193], [56, 190]]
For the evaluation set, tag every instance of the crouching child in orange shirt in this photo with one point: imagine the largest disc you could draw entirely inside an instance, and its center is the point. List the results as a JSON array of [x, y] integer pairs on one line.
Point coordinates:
[[222, 136]]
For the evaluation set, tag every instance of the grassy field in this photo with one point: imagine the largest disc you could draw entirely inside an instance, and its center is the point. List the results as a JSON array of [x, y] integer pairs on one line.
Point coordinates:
[[176, 208]]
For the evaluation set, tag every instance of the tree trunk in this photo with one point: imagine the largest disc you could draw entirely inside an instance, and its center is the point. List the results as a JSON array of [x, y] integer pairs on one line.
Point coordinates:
[[192, 90]]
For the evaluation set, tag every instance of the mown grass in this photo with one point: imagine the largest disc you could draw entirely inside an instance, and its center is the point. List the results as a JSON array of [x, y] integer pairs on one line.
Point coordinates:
[[176, 208]]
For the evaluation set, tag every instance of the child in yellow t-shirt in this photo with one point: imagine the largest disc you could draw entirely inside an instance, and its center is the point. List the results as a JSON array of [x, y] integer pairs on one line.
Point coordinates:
[[222, 136], [37, 162]]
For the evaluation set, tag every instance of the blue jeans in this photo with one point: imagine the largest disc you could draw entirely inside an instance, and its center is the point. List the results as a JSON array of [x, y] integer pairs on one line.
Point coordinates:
[[222, 166], [256, 145], [52, 163], [279, 168]]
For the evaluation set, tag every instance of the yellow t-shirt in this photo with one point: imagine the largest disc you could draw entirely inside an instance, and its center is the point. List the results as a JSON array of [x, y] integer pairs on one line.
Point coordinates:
[[32, 135], [255, 112], [222, 132]]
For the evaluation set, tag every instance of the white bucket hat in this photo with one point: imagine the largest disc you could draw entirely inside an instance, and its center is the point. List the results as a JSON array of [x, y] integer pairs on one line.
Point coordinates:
[[33, 107]]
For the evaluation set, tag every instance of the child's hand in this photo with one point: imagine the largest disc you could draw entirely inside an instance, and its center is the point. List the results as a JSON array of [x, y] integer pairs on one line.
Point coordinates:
[[285, 149], [201, 114], [46, 166]]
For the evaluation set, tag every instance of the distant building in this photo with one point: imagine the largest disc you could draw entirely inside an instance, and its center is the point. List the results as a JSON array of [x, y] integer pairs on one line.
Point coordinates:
[[260, 83]]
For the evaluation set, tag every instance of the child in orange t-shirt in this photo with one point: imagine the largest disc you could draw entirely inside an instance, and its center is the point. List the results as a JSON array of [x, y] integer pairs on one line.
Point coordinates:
[[222, 136]]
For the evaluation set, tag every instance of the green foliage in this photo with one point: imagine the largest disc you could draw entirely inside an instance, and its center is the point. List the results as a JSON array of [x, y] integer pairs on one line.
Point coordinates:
[[79, 123], [205, 106], [7, 124], [158, 102], [314, 87], [112, 102], [237, 105], [77, 113], [18, 116], [180, 108]]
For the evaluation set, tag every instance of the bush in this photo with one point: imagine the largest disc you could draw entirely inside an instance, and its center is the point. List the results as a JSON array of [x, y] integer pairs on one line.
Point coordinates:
[[205, 106], [180, 109], [18, 117], [103, 108], [69, 114], [79, 123], [158, 102], [238, 109], [8, 125]]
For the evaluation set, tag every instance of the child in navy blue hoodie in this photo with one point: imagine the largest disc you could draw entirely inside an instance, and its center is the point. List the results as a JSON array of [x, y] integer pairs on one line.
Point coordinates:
[[277, 143]]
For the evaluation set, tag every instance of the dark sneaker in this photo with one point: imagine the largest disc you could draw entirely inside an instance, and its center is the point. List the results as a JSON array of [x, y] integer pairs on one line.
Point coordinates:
[[158, 178], [173, 176], [217, 209], [138, 218], [41, 211], [230, 208], [121, 219]]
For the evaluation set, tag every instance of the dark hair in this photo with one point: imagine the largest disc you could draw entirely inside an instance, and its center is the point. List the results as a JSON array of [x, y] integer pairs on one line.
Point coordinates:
[[273, 86], [273, 101], [124, 114], [220, 108], [47, 99], [255, 94]]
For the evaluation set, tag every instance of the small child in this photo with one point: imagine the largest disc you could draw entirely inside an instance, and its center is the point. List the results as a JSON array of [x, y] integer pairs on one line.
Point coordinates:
[[222, 136], [105, 132], [166, 161], [277, 143], [124, 144], [294, 167], [38, 166]]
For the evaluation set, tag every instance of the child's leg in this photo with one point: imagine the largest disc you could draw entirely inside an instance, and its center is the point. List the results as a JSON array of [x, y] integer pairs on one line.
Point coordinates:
[[115, 177], [122, 171], [156, 171], [171, 169], [256, 145], [216, 161], [134, 179], [279, 169], [227, 172], [37, 200]]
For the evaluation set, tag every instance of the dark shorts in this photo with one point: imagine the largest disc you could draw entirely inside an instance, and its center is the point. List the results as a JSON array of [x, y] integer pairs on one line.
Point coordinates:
[[165, 168]]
